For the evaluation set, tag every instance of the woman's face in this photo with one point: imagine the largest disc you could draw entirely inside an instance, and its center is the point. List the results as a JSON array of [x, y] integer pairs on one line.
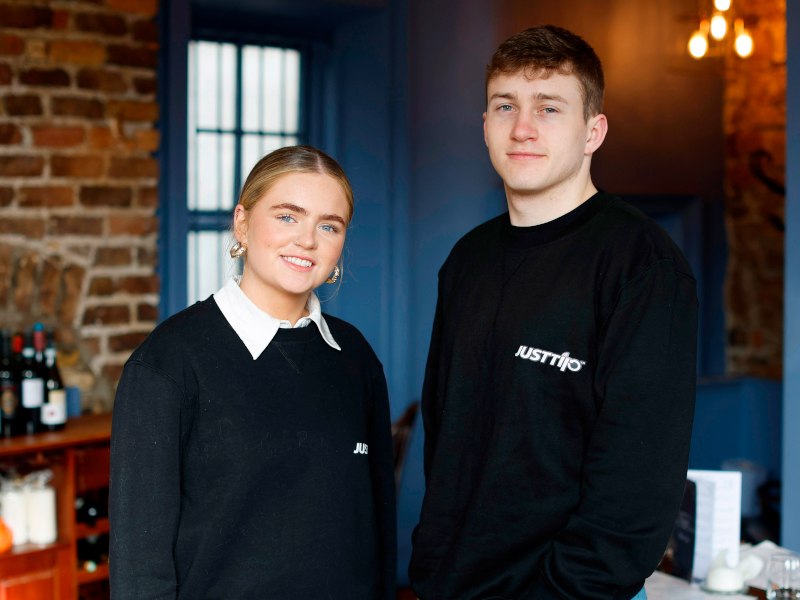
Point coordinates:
[[294, 235]]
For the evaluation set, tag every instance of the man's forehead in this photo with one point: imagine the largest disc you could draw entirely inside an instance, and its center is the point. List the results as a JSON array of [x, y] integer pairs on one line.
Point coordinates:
[[527, 81]]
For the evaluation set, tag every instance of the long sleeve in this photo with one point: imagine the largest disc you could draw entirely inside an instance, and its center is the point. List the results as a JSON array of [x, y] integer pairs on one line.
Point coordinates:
[[381, 465], [144, 496], [635, 463]]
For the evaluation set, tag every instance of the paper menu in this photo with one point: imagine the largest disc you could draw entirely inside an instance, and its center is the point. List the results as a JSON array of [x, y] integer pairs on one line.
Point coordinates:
[[718, 519]]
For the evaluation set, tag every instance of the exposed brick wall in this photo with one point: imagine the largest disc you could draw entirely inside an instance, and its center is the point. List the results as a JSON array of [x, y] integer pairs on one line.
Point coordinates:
[[78, 179], [755, 160]]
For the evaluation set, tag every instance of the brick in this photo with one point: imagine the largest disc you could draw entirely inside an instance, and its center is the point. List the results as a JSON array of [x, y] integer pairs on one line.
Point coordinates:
[[36, 49], [106, 315], [145, 31], [133, 168], [76, 166], [139, 285], [49, 285], [147, 257], [112, 257], [77, 52], [133, 111], [147, 8], [6, 262], [126, 342], [60, 225], [9, 134], [11, 45], [132, 56], [18, 165], [23, 105], [112, 25], [101, 137], [70, 106], [6, 196], [45, 77], [112, 372], [147, 312], [71, 285], [58, 137], [147, 197], [30, 228], [102, 80], [132, 225], [21, 16], [25, 281], [146, 86], [101, 286], [49, 196], [106, 196], [146, 140], [5, 74]]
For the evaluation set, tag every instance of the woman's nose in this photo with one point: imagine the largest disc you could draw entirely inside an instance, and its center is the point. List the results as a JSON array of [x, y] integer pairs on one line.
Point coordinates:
[[307, 237]]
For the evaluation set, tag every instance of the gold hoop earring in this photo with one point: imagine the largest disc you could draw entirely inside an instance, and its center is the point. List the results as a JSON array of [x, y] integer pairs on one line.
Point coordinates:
[[335, 275], [238, 250]]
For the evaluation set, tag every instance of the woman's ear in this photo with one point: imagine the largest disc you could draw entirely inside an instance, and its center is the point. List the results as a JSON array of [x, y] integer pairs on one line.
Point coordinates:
[[240, 223]]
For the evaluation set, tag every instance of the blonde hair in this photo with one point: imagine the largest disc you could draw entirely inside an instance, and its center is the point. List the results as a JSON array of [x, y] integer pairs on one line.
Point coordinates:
[[292, 159]]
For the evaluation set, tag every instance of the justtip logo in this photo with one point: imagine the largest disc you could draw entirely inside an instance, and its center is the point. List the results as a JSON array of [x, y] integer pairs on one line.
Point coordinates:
[[561, 361]]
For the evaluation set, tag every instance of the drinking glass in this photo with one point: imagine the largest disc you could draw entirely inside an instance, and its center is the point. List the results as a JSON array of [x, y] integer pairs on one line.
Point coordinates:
[[783, 577]]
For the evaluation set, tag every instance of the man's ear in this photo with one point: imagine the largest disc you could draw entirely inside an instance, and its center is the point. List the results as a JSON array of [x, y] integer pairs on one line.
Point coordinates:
[[596, 129]]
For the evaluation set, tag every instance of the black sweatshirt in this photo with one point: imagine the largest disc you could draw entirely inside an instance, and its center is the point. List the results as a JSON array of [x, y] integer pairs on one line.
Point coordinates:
[[558, 403], [234, 478]]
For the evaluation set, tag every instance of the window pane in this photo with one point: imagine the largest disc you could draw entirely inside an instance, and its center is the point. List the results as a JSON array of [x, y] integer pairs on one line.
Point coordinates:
[[210, 264], [212, 85], [211, 185], [227, 91], [251, 153], [251, 87], [271, 86], [291, 91]]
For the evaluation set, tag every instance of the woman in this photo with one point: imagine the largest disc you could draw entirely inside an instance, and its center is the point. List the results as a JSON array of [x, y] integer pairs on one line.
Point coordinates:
[[251, 452]]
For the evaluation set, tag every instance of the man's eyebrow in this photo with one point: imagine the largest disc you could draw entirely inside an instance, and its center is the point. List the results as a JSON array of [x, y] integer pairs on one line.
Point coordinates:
[[551, 97], [503, 96]]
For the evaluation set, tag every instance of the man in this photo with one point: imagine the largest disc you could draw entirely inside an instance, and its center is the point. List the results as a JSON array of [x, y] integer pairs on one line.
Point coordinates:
[[559, 388]]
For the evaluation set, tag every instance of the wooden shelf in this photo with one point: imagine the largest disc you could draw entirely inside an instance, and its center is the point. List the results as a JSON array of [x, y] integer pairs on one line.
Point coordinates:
[[79, 459]]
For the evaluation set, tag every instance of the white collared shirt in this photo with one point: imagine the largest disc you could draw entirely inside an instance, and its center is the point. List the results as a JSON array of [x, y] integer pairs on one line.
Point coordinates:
[[255, 327]]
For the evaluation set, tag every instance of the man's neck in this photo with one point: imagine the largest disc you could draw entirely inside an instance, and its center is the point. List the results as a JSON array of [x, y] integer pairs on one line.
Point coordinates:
[[527, 210]]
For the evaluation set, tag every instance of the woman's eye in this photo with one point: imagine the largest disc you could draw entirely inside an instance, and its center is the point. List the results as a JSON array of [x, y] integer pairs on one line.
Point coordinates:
[[329, 228], [286, 218]]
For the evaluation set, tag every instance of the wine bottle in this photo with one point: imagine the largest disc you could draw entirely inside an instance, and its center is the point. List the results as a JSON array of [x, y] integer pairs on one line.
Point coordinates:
[[54, 409], [9, 389], [32, 390]]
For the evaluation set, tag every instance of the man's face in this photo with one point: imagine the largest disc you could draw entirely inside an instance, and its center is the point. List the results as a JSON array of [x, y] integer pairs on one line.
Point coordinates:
[[538, 140]]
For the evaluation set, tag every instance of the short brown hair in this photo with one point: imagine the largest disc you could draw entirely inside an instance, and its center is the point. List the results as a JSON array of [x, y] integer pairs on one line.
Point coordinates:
[[292, 159], [546, 49]]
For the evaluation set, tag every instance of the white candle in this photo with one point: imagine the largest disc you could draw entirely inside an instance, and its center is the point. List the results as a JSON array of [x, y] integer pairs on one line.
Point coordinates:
[[42, 515], [15, 513]]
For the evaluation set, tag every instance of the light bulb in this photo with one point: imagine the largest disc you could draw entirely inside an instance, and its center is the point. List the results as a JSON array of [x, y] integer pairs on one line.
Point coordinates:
[[719, 27], [698, 44], [722, 5], [743, 44]]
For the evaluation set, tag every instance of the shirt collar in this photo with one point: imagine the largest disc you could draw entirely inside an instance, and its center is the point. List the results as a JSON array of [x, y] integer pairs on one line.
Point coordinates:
[[255, 327]]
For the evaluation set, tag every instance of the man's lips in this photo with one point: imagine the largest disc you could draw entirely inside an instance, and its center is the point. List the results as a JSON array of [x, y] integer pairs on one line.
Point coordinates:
[[524, 155]]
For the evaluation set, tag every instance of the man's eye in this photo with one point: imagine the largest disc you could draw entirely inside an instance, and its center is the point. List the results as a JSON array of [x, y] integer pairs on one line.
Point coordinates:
[[505, 107], [329, 228]]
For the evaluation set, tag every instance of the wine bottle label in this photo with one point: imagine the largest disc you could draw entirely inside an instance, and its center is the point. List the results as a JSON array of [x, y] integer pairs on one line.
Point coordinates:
[[9, 401], [54, 411], [32, 392]]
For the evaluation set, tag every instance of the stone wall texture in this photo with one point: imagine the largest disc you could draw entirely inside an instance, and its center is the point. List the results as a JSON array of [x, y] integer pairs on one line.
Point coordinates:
[[78, 180], [755, 164]]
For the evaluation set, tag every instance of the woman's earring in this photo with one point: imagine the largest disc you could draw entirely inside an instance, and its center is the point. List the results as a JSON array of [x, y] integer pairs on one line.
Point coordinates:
[[238, 250], [335, 275]]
